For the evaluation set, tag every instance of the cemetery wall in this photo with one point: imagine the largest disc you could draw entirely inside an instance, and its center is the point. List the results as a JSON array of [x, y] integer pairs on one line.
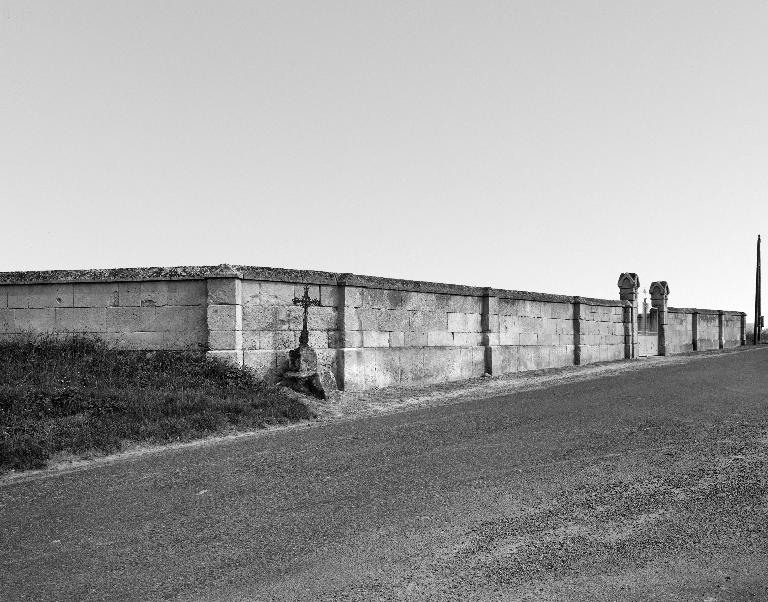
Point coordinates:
[[131, 315], [369, 332], [691, 329], [679, 332]]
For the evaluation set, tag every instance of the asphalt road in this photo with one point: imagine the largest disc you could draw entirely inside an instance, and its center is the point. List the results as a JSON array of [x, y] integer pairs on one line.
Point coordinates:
[[644, 485]]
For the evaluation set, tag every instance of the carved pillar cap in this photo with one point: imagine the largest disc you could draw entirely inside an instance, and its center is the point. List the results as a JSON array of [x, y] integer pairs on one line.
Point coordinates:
[[659, 290], [628, 285]]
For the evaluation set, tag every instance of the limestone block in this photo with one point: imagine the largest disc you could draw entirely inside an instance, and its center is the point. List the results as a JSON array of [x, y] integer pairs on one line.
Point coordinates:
[[185, 340], [187, 292], [375, 338], [353, 338], [225, 291], [439, 338], [380, 298], [7, 322], [353, 371], [559, 311], [172, 318], [353, 296], [262, 363], [466, 304], [31, 296], [361, 319], [529, 338], [160, 293], [590, 354], [259, 317], [532, 357], [531, 325], [549, 339], [396, 320], [490, 323], [124, 319], [97, 294], [335, 339], [564, 327], [3, 297], [490, 338], [386, 367], [509, 338], [251, 339], [549, 325], [322, 318], [129, 294], [411, 365], [461, 322], [318, 339], [225, 317], [509, 323], [441, 365], [396, 339], [416, 338], [277, 293], [504, 359], [561, 355], [280, 339], [428, 320], [467, 339], [138, 341], [419, 301], [331, 296], [314, 291], [472, 362], [230, 357], [327, 358], [225, 339], [565, 339], [81, 319], [250, 292]]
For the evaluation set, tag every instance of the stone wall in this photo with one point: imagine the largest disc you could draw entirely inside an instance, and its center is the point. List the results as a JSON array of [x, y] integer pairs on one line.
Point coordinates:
[[370, 332], [679, 327], [132, 315], [691, 329]]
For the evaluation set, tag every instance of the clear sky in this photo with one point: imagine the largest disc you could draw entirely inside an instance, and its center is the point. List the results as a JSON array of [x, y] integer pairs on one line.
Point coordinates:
[[543, 146]]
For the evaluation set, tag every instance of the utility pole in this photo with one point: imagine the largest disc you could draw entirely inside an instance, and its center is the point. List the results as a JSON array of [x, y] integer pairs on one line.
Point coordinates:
[[758, 300]]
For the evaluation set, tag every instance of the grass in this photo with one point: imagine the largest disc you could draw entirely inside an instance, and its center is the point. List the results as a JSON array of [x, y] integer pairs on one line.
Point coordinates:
[[79, 396]]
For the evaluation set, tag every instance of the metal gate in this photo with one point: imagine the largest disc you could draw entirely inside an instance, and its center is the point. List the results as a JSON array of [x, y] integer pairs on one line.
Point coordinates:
[[647, 329]]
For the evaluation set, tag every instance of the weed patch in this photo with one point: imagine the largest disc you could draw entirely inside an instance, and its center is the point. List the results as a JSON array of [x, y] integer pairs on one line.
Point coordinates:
[[79, 395]]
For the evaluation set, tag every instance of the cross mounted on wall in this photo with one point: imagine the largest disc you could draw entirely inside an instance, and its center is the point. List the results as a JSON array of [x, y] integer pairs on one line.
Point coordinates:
[[306, 302]]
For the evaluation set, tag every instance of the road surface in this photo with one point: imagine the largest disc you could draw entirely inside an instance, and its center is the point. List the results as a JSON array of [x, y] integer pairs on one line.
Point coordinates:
[[646, 485]]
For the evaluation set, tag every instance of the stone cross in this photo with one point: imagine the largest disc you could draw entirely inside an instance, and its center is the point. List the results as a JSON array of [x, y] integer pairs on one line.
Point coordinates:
[[306, 303]]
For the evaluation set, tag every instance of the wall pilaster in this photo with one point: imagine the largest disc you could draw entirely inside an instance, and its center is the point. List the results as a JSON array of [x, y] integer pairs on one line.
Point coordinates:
[[225, 319], [720, 330], [695, 330], [489, 322]]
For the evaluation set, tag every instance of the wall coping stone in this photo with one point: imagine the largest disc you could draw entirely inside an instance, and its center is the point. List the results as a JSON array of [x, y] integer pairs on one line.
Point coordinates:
[[694, 310], [289, 275]]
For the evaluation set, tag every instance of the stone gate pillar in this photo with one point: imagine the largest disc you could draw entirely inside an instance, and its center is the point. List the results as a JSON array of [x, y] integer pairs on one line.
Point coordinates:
[[490, 326], [659, 294], [628, 285]]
